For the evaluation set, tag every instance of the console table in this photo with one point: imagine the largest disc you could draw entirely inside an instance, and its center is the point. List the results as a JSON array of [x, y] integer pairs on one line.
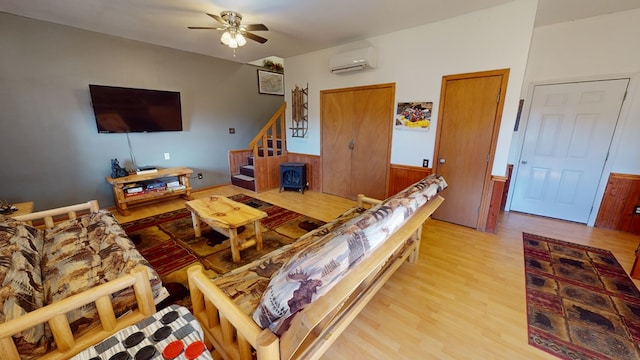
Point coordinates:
[[23, 208], [122, 200]]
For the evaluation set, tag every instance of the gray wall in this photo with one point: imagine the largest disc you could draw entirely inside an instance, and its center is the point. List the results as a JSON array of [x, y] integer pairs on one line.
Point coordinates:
[[52, 152]]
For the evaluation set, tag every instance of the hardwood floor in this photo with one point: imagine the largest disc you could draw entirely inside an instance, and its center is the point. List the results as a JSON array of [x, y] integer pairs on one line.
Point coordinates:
[[465, 299]]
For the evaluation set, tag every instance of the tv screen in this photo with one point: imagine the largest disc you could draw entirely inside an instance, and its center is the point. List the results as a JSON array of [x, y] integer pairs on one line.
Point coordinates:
[[124, 110]]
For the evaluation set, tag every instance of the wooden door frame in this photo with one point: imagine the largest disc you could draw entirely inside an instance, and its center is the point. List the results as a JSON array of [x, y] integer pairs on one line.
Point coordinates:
[[484, 201]]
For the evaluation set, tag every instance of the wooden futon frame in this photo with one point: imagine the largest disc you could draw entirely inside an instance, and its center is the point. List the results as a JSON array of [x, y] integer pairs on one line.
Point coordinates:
[[55, 314], [234, 334]]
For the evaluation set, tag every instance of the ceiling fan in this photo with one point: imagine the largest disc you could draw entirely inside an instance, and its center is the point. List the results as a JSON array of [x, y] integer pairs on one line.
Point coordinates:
[[234, 33]]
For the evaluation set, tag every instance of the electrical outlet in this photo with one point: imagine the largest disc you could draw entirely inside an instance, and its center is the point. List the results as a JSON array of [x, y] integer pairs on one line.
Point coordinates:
[[199, 176], [167, 156], [425, 163], [232, 130], [636, 210]]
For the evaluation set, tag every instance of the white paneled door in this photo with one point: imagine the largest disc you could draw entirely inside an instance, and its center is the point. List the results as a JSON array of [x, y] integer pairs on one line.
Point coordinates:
[[565, 147]]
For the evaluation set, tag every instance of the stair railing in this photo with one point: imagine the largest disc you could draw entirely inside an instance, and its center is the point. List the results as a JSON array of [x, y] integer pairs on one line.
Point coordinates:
[[269, 149], [274, 133]]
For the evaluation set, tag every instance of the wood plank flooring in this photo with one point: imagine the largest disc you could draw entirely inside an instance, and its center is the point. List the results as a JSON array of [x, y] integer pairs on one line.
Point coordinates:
[[464, 299]]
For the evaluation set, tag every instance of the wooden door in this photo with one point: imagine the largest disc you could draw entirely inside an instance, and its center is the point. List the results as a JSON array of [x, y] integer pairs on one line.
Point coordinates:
[[468, 123], [336, 118], [372, 129], [567, 139], [356, 140]]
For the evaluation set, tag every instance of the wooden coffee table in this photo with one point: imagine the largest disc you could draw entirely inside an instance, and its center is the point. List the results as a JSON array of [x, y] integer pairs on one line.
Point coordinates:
[[226, 216]]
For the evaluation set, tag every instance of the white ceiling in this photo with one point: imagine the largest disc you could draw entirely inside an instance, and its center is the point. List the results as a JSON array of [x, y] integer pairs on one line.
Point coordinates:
[[295, 26]]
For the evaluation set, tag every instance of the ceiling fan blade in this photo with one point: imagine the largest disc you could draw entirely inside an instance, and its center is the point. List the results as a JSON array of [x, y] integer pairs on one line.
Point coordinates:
[[204, 28], [217, 18], [255, 37], [255, 27]]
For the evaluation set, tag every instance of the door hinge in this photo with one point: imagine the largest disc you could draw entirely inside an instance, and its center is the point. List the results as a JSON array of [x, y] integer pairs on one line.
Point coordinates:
[[498, 97]]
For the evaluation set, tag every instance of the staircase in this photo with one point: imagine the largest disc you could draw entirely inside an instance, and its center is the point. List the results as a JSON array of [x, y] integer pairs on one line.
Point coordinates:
[[257, 168], [246, 178]]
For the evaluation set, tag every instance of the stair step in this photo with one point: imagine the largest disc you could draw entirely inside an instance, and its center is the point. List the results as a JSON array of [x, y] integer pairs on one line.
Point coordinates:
[[247, 170], [250, 160], [278, 143], [244, 177], [243, 181], [269, 150]]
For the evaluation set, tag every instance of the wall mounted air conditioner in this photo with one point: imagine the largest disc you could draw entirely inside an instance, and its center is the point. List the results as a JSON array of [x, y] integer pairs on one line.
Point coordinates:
[[354, 60]]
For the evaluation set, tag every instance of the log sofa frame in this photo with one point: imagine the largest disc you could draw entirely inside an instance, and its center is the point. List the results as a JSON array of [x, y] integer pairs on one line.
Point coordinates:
[[235, 336], [67, 344]]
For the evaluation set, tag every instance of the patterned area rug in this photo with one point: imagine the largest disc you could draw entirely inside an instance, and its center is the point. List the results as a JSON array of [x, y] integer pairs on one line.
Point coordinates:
[[580, 302], [168, 242]]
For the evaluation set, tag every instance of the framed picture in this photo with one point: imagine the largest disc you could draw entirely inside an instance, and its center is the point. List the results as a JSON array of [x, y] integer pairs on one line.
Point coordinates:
[[413, 115], [270, 82]]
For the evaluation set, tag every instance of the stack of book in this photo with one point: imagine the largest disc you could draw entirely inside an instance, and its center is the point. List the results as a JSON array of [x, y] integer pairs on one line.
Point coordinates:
[[153, 186], [133, 189], [175, 185]]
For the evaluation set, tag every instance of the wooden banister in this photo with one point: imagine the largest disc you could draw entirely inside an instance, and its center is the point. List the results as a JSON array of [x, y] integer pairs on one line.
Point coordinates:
[[270, 130], [269, 150]]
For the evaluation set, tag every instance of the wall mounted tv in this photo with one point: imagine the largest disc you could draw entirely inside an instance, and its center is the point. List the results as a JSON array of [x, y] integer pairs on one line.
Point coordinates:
[[124, 110]]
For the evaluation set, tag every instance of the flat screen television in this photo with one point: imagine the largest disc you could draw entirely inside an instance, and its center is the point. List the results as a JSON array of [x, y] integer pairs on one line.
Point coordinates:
[[124, 110]]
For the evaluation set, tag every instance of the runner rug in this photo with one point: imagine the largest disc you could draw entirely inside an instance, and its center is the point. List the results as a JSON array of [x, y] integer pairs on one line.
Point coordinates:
[[168, 241], [581, 304]]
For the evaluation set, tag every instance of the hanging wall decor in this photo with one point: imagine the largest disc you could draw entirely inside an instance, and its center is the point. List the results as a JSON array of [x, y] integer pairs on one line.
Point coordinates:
[[413, 115], [270, 82], [299, 111]]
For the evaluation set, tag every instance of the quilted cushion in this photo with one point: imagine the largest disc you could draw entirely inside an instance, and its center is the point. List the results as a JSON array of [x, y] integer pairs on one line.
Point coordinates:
[[21, 281], [314, 271], [88, 251], [245, 284]]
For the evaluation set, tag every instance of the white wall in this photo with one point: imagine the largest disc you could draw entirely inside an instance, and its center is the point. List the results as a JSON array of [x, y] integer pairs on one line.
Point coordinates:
[[416, 60], [596, 48]]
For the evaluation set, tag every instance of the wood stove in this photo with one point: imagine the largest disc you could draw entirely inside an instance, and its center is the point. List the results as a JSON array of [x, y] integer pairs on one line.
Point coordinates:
[[293, 175]]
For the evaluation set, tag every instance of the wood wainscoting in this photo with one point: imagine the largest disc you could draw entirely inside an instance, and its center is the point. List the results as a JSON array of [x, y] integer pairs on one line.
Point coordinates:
[[620, 198], [314, 169], [496, 194], [401, 176]]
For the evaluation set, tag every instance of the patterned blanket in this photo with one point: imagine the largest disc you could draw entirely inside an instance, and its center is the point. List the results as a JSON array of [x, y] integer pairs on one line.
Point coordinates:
[[39, 267], [312, 272]]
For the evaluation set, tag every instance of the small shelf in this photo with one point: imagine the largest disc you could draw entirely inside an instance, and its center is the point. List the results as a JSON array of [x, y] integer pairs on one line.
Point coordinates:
[[122, 199]]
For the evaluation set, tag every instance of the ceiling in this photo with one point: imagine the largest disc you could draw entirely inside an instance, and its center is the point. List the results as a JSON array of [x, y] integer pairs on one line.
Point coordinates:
[[295, 27]]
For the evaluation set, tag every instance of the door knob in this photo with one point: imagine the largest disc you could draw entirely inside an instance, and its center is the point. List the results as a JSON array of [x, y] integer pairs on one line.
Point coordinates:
[[441, 160], [351, 145]]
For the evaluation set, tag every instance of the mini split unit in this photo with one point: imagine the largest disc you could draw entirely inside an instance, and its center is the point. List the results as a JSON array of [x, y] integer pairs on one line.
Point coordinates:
[[354, 60]]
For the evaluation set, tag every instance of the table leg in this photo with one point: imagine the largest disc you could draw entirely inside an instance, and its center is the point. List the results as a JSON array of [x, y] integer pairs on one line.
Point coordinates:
[[196, 224], [258, 230], [233, 239]]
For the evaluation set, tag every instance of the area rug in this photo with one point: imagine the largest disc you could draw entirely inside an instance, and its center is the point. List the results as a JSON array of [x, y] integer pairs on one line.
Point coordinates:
[[581, 304], [168, 241]]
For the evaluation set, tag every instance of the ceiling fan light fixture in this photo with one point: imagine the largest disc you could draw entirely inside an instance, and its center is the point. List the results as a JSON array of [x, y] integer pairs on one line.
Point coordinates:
[[233, 39], [241, 40], [234, 34], [225, 38]]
